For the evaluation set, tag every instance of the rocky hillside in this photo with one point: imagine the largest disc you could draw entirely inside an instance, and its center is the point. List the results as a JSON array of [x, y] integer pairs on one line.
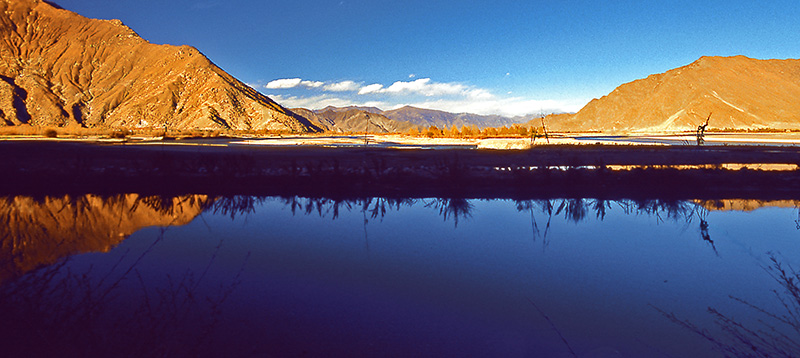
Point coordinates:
[[61, 69], [429, 117], [401, 119], [738, 92], [40, 232], [352, 119]]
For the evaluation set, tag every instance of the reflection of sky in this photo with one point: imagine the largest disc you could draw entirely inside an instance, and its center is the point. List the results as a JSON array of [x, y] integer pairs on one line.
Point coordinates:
[[418, 284]]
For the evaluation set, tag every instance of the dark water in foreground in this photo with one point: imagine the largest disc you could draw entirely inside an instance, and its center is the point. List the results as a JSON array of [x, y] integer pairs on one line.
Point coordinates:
[[288, 277]]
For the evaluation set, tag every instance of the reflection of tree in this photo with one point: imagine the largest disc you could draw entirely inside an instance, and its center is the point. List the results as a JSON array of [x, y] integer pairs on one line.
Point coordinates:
[[236, 205], [577, 210], [377, 207], [600, 206], [452, 208], [703, 214], [775, 335], [675, 210], [574, 209], [547, 208], [797, 222]]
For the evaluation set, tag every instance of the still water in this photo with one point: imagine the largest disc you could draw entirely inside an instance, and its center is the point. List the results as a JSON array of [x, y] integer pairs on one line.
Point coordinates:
[[291, 277]]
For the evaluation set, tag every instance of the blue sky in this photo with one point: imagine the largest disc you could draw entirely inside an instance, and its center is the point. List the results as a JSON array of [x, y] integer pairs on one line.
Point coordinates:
[[503, 57]]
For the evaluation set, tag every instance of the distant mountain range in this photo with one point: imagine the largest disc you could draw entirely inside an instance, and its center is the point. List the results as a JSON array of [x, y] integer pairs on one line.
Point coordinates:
[[62, 69], [738, 92], [354, 119]]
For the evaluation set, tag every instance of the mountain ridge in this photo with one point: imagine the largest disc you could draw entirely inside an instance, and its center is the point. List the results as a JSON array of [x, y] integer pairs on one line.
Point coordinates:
[[353, 119], [63, 69], [401, 119], [737, 91]]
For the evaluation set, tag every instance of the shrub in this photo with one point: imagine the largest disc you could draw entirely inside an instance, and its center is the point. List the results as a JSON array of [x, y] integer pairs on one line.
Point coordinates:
[[120, 134]]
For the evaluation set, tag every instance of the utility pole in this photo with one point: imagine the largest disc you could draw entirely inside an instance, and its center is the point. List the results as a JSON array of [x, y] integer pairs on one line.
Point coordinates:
[[366, 130]]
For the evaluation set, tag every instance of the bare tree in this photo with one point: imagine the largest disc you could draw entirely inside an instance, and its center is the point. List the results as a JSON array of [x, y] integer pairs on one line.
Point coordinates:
[[701, 131]]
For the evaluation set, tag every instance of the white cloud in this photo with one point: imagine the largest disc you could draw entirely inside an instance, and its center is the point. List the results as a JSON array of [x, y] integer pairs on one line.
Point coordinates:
[[422, 86], [344, 86], [312, 84], [373, 88], [284, 83]]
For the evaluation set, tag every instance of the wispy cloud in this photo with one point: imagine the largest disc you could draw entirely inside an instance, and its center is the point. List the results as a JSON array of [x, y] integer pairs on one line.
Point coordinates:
[[344, 86], [422, 86], [324, 100], [514, 106]]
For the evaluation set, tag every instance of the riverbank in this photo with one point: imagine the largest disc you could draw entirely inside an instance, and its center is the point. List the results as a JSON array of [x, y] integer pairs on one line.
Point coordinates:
[[608, 171]]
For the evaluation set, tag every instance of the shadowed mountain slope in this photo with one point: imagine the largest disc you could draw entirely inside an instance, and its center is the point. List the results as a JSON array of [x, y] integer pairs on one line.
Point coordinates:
[[352, 119], [738, 92], [429, 117], [61, 69]]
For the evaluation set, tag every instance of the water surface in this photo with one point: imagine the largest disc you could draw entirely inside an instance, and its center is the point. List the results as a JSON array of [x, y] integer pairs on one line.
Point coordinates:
[[272, 276]]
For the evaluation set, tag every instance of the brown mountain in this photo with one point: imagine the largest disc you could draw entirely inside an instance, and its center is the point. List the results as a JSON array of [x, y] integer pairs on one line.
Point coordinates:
[[738, 92], [61, 69], [37, 232], [353, 119], [430, 117]]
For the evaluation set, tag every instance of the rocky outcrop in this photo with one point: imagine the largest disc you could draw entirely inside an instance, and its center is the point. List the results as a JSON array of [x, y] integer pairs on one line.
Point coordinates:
[[61, 69], [738, 92]]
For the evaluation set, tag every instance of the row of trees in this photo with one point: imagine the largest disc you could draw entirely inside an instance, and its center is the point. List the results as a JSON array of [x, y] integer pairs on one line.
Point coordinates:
[[516, 130]]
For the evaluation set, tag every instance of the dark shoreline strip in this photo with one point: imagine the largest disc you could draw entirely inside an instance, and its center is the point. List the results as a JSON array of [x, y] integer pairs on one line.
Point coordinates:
[[70, 168]]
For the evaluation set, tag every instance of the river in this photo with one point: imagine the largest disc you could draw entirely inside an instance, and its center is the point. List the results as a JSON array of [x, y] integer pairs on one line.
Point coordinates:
[[395, 277]]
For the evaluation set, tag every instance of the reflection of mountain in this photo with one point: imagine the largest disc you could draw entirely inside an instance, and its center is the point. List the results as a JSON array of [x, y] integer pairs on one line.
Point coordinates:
[[39, 232], [746, 204]]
